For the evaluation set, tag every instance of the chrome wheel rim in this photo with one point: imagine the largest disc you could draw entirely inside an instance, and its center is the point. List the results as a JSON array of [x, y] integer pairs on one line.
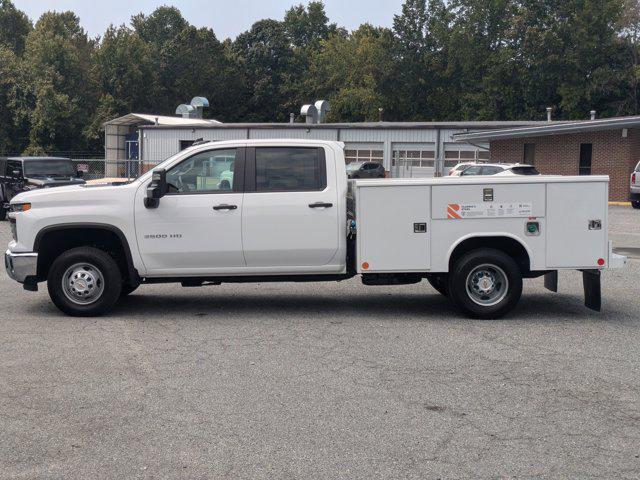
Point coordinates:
[[487, 285], [83, 283]]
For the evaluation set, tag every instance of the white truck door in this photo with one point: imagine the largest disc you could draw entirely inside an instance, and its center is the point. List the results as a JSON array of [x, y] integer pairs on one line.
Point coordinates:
[[290, 214], [196, 229]]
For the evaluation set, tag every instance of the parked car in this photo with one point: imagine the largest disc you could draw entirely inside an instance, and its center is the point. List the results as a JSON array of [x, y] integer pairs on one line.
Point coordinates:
[[501, 169], [365, 170], [635, 187], [292, 215], [457, 170], [20, 174]]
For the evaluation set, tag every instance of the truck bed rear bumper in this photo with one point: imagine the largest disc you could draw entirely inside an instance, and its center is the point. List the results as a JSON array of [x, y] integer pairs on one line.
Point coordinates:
[[21, 266]]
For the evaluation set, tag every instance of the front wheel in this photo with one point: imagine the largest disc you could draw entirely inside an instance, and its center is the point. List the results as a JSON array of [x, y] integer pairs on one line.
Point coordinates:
[[3, 212], [636, 205], [84, 282], [485, 284]]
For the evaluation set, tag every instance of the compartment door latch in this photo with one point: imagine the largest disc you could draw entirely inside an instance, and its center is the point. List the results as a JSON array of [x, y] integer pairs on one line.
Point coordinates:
[[595, 224]]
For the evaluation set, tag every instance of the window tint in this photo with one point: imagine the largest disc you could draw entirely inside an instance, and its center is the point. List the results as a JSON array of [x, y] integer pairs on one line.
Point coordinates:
[[475, 170], [12, 165], [491, 170], [210, 171], [284, 169]]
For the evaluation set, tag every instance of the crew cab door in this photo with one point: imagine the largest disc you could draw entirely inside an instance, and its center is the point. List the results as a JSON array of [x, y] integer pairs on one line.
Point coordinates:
[[290, 216], [196, 229]]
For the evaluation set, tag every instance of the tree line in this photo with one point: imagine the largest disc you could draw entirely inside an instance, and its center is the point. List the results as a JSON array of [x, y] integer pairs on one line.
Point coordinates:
[[441, 60]]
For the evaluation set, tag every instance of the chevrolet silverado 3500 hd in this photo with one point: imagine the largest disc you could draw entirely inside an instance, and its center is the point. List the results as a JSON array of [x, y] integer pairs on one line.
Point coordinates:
[[284, 210]]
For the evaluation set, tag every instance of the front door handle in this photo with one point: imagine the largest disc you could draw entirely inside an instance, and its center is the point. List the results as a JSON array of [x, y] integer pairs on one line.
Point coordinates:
[[225, 207], [320, 205]]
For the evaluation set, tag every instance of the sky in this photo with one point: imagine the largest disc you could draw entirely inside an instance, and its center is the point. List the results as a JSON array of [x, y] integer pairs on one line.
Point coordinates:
[[228, 18]]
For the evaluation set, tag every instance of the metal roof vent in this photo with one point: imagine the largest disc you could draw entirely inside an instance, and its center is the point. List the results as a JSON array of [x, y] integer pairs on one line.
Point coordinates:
[[199, 103], [186, 111], [310, 112], [549, 110], [593, 114], [194, 109], [323, 107]]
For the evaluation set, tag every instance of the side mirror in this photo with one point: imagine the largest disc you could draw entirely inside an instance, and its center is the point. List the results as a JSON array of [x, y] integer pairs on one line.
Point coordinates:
[[79, 174], [156, 189]]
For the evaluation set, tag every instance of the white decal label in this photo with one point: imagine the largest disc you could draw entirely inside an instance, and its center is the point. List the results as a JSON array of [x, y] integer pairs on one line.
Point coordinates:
[[489, 210]]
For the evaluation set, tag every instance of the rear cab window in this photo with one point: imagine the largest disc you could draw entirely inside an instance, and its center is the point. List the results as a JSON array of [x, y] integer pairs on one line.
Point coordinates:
[[290, 169]]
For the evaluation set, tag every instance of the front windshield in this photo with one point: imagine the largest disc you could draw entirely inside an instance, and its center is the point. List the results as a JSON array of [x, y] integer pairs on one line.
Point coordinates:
[[354, 166], [49, 168]]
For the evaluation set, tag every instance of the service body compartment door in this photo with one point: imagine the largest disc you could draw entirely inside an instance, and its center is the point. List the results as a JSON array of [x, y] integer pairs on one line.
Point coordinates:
[[576, 224], [394, 228]]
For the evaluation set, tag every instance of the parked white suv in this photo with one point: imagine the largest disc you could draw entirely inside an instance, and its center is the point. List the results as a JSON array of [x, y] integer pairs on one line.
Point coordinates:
[[501, 169], [635, 188]]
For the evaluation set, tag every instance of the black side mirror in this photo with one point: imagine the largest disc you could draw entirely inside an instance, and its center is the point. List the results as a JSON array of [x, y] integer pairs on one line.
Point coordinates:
[[80, 174], [156, 189]]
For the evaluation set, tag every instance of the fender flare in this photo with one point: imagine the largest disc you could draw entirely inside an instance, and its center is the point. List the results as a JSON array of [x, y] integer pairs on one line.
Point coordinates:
[[132, 272], [471, 236]]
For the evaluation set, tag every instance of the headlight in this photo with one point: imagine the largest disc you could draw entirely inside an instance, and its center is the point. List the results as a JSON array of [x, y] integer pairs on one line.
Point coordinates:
[[20, 207]]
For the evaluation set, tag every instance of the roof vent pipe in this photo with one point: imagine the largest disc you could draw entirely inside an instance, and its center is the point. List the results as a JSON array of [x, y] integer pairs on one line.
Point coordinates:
[[323, 107], [549, 110], [292, 117], [310, 112], [593, 114], [380, 114]]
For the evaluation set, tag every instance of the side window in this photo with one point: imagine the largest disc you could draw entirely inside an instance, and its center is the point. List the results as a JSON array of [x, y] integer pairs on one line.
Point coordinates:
[[211, 171], [491, 170], [290, 169], [13, 166], [475, 170]]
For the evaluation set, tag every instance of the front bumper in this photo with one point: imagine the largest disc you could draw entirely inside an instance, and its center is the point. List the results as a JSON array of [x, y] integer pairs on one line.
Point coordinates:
[[21, 266]]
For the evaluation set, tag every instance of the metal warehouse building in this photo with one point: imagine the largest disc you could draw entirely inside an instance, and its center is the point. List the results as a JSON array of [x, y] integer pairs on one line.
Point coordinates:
[[405, 149]]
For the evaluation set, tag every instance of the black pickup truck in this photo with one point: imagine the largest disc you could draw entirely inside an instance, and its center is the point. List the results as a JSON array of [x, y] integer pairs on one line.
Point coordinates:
[[19, 174]]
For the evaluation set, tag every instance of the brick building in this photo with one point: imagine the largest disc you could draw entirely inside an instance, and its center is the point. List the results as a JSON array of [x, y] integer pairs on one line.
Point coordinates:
[[592, 147]]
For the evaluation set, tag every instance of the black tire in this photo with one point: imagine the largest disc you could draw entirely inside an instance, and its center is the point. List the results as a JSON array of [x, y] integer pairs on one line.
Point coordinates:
[[440, 283], [635, 205], [127, 289], [102, 265], [3, 213], [505, 286]]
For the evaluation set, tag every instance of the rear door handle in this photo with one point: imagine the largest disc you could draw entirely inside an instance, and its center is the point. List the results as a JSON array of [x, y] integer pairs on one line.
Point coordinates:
[[320, 205], [225, 207]]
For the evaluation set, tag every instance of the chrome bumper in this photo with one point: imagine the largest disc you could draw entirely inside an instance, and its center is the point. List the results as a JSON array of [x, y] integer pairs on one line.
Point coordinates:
[[21, 266]]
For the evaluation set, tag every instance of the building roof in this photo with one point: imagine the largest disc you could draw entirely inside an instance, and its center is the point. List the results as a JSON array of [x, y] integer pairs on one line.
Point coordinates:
[[161, 120], [358, 125], [550, 128]]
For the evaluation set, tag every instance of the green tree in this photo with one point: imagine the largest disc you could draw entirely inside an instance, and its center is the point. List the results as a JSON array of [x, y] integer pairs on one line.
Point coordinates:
[[125, 72], [58, 58], [355, 73], [14, 27], [263, 55], [160, 27]]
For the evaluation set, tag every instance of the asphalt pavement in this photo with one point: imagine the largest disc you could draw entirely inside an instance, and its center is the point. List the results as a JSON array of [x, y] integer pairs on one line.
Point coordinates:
[[336, 381]]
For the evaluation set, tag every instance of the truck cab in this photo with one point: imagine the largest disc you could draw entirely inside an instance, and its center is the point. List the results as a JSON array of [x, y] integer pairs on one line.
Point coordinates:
[[284, 210]]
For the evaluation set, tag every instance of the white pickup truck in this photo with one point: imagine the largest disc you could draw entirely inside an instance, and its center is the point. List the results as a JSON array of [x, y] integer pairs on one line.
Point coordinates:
[[284, 210]]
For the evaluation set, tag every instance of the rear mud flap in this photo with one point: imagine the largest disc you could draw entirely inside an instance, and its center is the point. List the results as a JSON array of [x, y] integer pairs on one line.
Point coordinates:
[[592, 291], [551, 281]]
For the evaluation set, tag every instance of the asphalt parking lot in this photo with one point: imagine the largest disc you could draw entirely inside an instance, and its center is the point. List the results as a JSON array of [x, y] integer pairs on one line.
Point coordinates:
[[324, 381]]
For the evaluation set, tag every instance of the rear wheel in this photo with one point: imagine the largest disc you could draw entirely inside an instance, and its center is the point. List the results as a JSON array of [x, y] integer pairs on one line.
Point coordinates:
[[635, 205], [485, 284], [3, 212], [84, 282]]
